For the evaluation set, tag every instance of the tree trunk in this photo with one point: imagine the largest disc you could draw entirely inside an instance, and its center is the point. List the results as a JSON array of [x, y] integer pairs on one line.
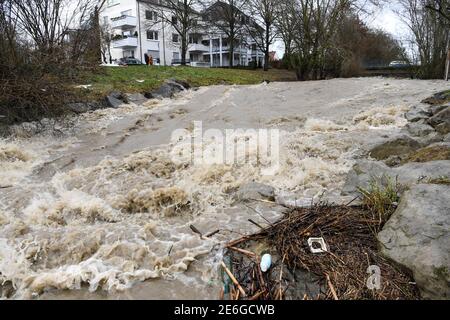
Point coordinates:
[[266, 53], [231, 53], [183, 51]]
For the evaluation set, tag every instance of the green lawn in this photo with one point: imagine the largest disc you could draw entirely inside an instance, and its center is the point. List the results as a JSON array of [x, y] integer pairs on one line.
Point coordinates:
[[129, 79]]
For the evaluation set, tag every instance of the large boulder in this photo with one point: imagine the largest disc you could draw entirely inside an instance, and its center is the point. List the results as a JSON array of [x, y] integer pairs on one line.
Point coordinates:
[[115, 100], [398, 146], [418, 112], [441, 121], [362, 173], [167, 90], [365, 171], [417, 237], [136, 98]]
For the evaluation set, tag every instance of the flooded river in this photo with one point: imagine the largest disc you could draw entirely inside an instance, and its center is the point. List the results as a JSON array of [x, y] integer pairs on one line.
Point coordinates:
[[96, 206]]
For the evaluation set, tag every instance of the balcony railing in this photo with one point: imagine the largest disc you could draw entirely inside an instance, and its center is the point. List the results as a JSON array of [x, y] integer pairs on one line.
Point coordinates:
[[125, 42], [123, 22], [198, 47]]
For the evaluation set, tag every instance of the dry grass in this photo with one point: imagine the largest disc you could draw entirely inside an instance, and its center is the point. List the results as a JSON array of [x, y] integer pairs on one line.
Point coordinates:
[[381, 200]]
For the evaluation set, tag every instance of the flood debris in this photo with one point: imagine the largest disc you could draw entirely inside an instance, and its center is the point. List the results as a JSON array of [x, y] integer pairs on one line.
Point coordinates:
[[344, 237]]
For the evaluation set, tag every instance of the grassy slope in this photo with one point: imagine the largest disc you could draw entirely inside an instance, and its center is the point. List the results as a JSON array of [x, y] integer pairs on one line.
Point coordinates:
[[124, 79]]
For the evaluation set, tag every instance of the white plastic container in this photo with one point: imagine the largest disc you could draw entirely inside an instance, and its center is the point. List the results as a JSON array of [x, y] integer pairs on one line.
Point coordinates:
[[266, 262]]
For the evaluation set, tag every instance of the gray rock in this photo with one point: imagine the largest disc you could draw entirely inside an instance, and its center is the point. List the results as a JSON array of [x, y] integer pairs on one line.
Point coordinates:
[[183, 83], [441, 121], [167, 90], [417, 237], [254, 190], [436, 109], [419, 128], [398, 146], [365, 171], [113, 102], [417, 113], [118, 95], [447, 138], [136, 98], [362, 173]]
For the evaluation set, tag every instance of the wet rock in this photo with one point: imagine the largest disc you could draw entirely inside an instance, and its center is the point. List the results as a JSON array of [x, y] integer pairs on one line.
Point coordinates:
[[417, 113], [447, 138], [362, 173], [417, 238], [409, 174], [254, 190], [398, 146], [441, 121], [436, 109], [183, 83], [112, 102], [419, 128], [167, 90], [136, 98]]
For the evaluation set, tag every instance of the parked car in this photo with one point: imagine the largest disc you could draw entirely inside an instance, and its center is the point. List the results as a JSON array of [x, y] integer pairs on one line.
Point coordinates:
[[129, 62], [177, 62], [399, 64]]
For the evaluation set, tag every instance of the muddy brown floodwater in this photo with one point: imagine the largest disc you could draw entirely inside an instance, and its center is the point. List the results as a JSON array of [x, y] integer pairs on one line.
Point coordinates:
[[102, 211]]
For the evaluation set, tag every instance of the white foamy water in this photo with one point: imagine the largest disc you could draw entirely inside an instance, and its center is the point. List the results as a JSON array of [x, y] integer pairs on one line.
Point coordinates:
[[105, 212]]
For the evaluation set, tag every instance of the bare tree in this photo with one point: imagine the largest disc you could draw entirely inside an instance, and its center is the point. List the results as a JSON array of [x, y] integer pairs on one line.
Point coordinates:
[[440, 6], [261, 27], [431, 35], [285, 25], [316, 25], [228, 18], [181, 16], [44, 46], [106, 42]]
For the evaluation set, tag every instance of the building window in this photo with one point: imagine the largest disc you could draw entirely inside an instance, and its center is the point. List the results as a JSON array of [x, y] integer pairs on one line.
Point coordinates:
[[193, 38], [175, 38], [151, 15], [152, 35], [174, 20]]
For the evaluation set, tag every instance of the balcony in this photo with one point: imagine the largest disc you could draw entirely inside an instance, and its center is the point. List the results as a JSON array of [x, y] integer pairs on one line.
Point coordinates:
[[123, 22], [198, 47], [128, 42]]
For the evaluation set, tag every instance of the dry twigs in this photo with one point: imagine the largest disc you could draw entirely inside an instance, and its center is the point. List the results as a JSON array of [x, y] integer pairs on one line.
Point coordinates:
[[343, 271]]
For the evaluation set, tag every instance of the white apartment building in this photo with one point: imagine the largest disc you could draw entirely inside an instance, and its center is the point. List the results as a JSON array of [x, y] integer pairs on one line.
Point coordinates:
[[137, 30]]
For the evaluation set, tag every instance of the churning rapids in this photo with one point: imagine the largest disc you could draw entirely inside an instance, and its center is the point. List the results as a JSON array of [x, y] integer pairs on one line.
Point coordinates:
[[94, 207]]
